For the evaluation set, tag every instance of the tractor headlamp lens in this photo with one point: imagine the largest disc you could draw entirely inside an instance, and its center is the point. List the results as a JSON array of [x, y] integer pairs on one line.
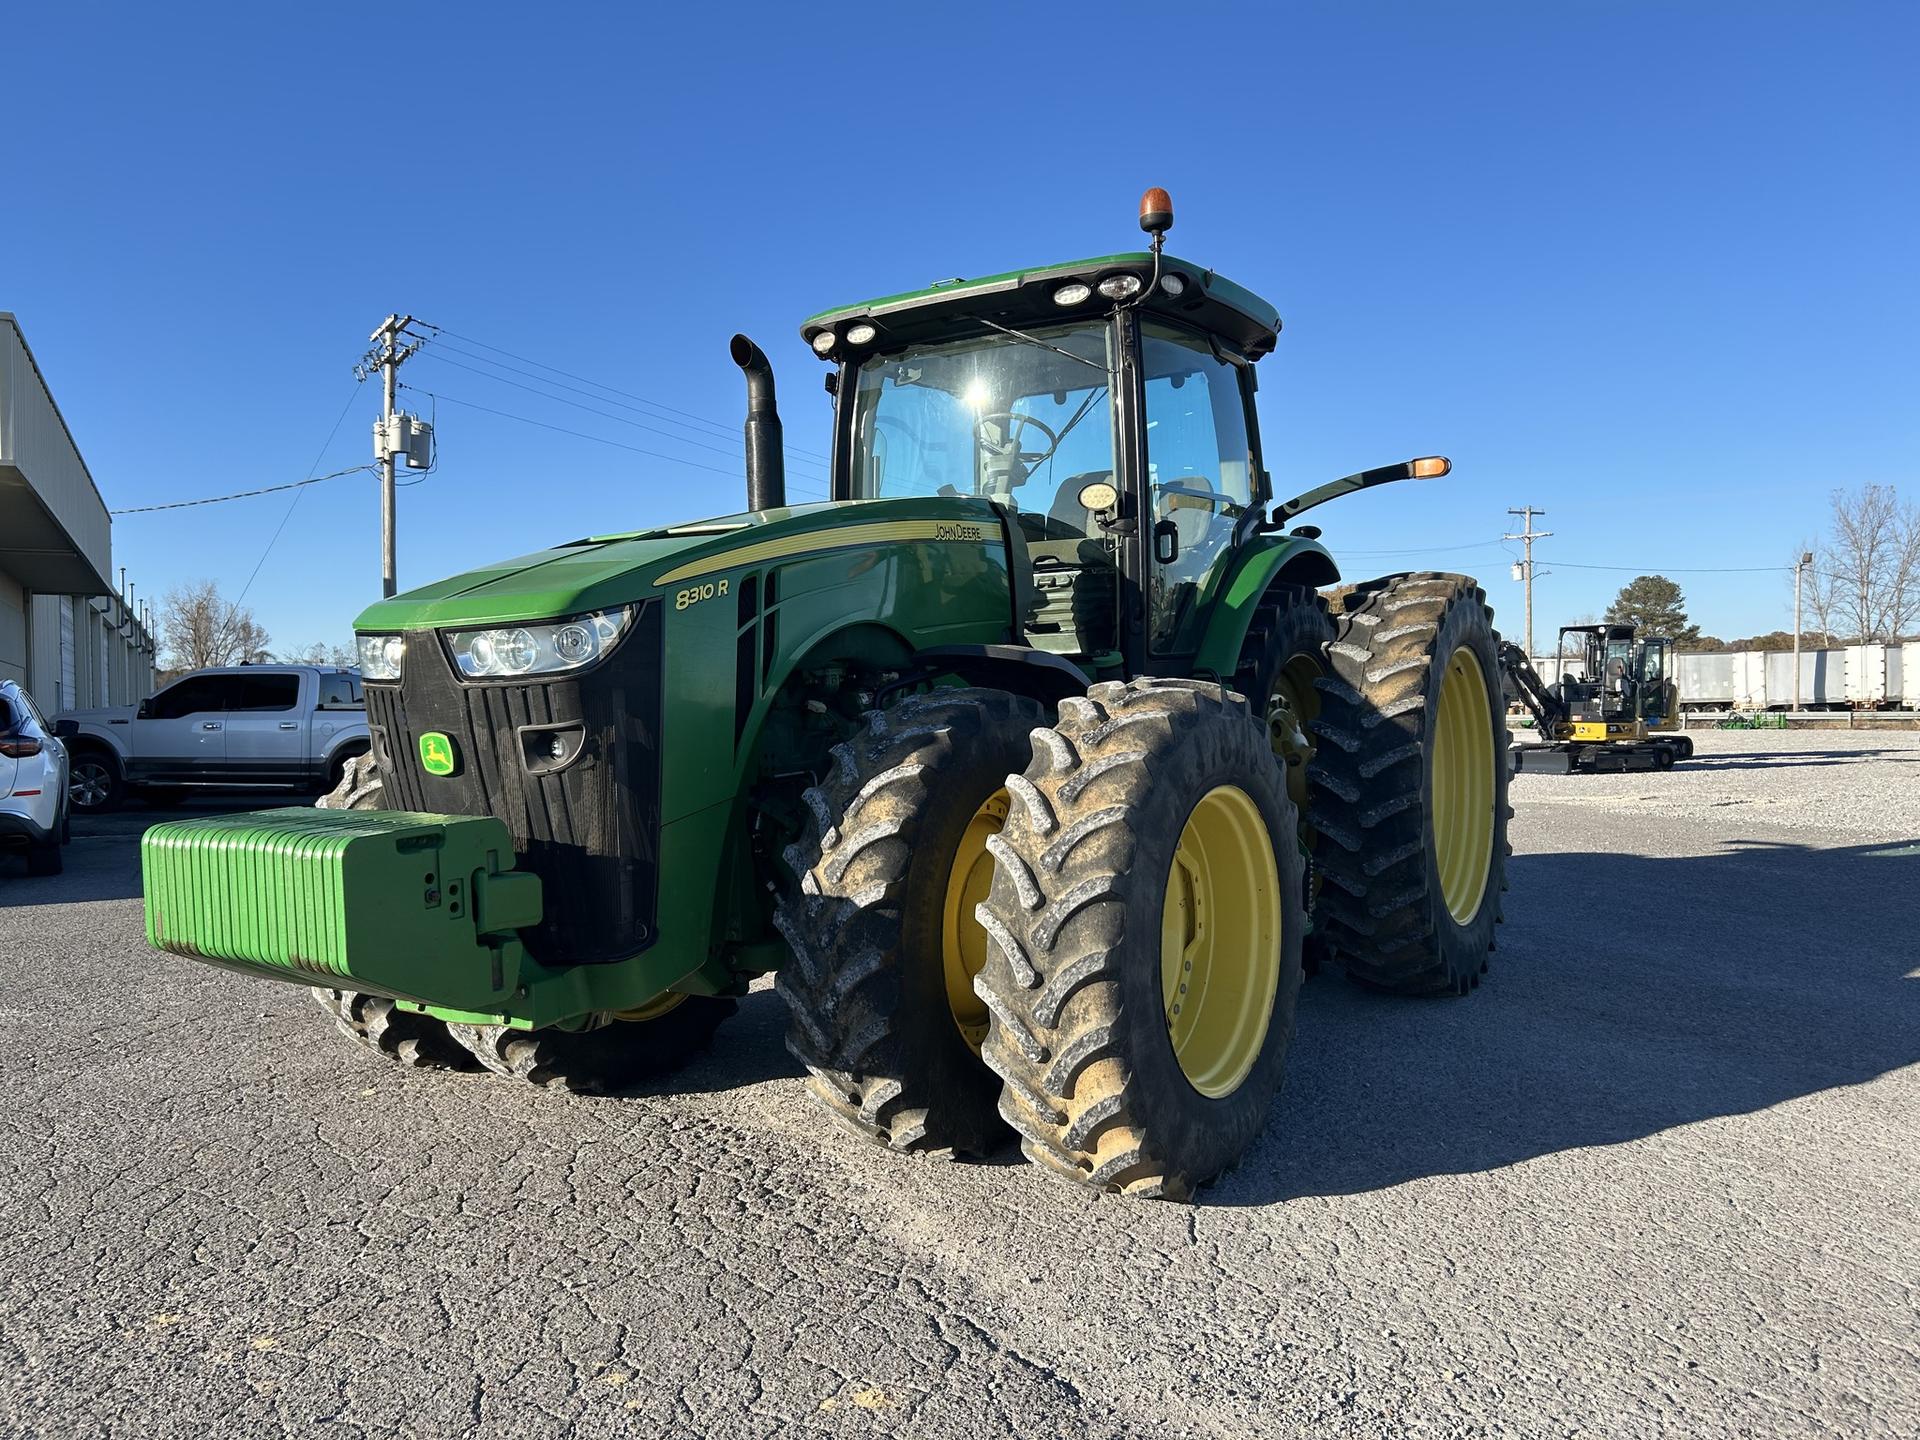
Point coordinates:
[[1173, 284], [380, 656], [1119, 287], [1072, 294], [545, 649], [823, 343], [860, 334]]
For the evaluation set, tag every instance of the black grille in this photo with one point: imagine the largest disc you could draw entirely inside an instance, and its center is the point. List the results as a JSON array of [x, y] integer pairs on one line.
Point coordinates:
[[590, 832]]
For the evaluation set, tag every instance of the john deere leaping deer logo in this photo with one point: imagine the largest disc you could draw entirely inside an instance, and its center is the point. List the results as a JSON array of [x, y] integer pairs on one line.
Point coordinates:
[[436, 753]]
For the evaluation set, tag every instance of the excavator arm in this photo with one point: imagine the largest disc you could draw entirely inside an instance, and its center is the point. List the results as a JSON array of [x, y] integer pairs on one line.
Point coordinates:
[[1538, 696]]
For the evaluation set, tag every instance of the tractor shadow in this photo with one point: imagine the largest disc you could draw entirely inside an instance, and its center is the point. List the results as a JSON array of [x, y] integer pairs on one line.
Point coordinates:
[[1630, 995]]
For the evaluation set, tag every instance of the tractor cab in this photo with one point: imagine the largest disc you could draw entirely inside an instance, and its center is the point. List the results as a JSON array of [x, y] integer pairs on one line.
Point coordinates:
[[1104, 407]]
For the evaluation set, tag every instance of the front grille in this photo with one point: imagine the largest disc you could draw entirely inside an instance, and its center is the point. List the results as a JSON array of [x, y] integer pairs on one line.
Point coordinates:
[[590, 832]]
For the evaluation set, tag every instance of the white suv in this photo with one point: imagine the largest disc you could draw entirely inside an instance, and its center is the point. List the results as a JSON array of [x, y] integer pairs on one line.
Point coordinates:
[[33, 782]]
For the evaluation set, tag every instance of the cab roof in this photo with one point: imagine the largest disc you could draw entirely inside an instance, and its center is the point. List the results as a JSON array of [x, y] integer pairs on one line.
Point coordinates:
[[1024, 298]]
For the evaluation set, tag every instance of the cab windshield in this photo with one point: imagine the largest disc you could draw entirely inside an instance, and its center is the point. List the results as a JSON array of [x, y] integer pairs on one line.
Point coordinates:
[[1027, 422]]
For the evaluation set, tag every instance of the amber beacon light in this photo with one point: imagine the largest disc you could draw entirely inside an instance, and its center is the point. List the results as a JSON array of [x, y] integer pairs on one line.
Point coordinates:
[[1156, 211]]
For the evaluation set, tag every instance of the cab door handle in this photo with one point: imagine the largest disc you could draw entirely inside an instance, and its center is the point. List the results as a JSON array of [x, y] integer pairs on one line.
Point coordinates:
[[289, 724], [210, 725]]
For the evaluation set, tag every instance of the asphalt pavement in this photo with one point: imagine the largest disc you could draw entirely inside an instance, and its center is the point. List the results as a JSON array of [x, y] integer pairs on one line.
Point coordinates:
[[1655, 1177]]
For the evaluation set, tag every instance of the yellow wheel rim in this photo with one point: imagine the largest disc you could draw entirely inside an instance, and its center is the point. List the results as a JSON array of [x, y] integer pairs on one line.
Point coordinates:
[[653, 1009], [1220, 941], [1463, 788], [963, 944]]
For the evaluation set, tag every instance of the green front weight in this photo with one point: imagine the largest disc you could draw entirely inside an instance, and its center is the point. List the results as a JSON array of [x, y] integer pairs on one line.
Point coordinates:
[[413, 906]]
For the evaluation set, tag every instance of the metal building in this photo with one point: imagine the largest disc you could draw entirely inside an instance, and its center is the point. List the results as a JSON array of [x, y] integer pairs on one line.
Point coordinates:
[[65, 633]]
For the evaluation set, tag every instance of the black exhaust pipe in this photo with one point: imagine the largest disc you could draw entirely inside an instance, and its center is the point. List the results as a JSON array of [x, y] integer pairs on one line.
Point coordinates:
[[766, 450]]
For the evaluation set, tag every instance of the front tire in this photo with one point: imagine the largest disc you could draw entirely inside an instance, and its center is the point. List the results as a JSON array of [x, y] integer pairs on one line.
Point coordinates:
[[896, 855], [1410, 785], [95, 785], [1146, 917], [617, 1053]]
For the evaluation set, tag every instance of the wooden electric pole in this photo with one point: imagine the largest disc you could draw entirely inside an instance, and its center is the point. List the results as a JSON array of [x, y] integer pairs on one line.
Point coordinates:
[[387, 356], [1528, 535]]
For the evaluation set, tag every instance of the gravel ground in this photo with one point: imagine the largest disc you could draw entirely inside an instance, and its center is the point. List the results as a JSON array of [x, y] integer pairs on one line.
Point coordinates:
[[1654, 1177]]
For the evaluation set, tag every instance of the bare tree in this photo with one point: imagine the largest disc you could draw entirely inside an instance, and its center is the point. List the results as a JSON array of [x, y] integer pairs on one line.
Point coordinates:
[[199, 628], [320, 653], [1871, 563]]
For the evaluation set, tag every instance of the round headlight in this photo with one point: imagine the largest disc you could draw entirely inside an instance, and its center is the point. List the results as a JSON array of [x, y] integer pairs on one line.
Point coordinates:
[[1173, 284], [861, 334], [1119, 287], [575, 643], [1071, 294], [823, 343], [395, 652]]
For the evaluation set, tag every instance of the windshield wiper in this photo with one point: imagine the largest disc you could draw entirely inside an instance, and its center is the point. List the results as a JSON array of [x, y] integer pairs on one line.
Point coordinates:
[[1035, 340]]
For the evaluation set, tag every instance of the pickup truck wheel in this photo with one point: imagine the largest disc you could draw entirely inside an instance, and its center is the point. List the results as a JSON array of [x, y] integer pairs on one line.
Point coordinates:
[[94, 784], [403, 1036]]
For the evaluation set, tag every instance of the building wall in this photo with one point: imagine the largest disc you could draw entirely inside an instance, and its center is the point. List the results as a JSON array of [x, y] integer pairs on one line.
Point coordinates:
[[62, 632], [13, 630]]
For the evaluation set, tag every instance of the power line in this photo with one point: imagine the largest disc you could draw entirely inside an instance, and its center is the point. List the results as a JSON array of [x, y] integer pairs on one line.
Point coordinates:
[[319, 455], [500, 350], [606, 414], [583, 435], [1677, 569], [242, 494], [691, 422]]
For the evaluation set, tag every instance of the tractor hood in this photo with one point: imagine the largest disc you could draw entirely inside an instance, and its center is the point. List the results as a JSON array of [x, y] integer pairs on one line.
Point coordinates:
[[608, 570]]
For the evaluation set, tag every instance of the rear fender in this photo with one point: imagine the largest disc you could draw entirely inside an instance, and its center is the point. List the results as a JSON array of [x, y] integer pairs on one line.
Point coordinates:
[[1269, 561]]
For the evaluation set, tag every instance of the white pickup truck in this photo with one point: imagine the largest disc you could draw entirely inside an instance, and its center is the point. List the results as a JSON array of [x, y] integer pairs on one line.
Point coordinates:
[[253, 727]]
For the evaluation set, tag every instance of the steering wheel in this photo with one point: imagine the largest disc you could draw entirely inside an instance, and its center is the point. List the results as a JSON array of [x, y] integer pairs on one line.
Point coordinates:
[[1016, 424]]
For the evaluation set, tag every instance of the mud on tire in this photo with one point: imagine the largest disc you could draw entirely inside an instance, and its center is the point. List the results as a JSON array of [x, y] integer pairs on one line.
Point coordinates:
[[1081, 1035], [1381, 760], [870, 1010]]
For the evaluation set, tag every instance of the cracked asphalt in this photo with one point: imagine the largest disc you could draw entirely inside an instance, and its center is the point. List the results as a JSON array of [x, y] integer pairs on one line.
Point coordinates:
[[1656, 1177]]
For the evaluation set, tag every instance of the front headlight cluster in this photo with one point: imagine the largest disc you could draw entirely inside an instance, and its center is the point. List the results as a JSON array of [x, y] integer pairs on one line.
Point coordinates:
[[380, 656], [548, 648]]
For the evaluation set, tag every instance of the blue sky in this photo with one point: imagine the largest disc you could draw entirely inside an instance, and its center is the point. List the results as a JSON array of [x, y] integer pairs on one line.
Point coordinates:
[[1649, 266]]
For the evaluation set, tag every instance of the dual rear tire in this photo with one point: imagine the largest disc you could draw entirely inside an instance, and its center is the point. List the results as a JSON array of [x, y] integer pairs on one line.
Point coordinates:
[[1086, 935]]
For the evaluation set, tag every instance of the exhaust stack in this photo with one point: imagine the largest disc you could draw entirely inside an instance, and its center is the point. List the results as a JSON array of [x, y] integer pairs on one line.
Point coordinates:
[[766, 451]]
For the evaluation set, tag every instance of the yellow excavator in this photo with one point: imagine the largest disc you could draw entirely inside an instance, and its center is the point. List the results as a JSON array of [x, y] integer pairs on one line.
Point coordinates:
[[1619, 711]]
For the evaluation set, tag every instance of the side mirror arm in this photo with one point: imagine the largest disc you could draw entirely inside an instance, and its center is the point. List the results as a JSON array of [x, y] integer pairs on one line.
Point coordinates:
[[1427, 467]]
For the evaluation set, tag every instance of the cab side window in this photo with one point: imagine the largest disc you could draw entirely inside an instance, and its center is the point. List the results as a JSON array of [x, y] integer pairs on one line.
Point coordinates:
[[196, 695], [341, 692], [1200, 475], [261, 693]]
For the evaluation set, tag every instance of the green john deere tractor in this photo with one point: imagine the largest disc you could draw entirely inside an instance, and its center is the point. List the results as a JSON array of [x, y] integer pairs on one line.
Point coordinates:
[[1026, 762]]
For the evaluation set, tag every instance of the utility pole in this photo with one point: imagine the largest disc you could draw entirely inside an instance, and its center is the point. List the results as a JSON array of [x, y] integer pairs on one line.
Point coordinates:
[[387, 356], [1799, 569], [1528, 535]]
